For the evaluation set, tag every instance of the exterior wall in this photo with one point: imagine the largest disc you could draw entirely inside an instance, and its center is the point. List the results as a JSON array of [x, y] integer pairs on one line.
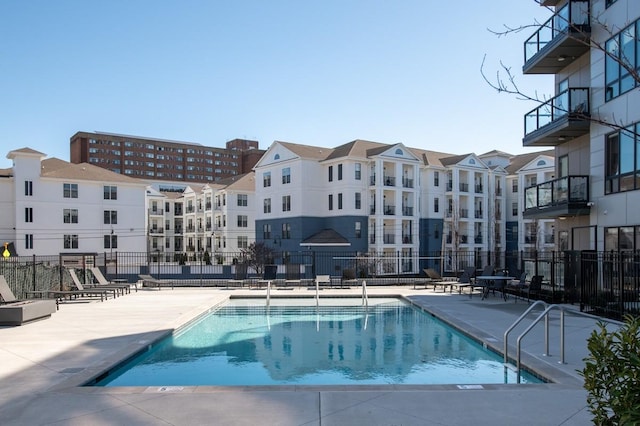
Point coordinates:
[[160, 159]]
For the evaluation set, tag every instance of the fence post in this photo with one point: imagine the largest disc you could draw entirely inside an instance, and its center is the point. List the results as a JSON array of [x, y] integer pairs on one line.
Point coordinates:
[[34, 272], [60, 268]]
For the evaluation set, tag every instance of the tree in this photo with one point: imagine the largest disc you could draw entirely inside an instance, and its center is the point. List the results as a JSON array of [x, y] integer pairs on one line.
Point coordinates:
[[505, 81], [256, 256]]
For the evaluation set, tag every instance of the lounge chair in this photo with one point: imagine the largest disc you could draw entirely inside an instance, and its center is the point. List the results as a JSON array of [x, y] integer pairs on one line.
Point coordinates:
[[149, 281], [18, 312], [104, 283], [348, 278], [435, 279], [115, 292]]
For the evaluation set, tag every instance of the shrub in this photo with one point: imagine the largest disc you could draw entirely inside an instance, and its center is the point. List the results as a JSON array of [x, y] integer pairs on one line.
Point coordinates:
[[612, 374]]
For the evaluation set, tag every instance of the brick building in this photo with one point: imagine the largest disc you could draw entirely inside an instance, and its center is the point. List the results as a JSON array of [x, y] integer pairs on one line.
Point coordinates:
[[161, 159]]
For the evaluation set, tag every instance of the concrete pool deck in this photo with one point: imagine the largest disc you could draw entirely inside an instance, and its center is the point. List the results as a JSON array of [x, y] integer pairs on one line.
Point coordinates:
[[42, 363]]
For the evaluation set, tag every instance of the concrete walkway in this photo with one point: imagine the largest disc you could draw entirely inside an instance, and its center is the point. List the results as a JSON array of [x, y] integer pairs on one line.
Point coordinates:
[[42, 364]]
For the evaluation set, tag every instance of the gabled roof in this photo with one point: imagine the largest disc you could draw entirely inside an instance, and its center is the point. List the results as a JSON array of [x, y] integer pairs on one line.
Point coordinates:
[[496, 152], [519, 161], [59, 169], [25, 150], [430, 158], [357, 148], [455, 159], [326, 237], [244, 182], [307, 151]]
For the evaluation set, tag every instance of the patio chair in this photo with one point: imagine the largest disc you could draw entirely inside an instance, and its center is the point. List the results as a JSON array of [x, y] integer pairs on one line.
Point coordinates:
[[18, 312], [518, 285], [91, 291], [534, 287], [102, 281], [106, 284], [348, 278], [149, 281], [435, 279]]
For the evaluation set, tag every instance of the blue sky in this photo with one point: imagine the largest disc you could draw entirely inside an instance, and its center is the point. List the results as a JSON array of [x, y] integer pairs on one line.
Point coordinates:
[[312, 72]]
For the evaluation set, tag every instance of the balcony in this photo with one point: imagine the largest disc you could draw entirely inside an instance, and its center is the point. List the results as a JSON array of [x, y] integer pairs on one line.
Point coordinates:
[[560, 40], [389, 238], [478, 214], [372, 180], [372, 209], [558, 120], [407, 239], [155, 230], [478, 239], [407, 211], [479, 189], [449, 186], [156, 212], [407, 183], [464, 213], [464, 187], [389, 210], [389, 181], [564, 197]]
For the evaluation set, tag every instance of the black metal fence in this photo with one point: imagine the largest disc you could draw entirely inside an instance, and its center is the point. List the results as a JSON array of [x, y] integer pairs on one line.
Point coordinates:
[[605, 284]]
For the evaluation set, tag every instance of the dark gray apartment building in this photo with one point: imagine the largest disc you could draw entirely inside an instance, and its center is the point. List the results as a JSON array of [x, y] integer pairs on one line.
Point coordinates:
[[161, 159]]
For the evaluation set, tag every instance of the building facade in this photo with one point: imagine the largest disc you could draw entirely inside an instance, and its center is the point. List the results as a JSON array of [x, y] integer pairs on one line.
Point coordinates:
[[164, 160], [590, 47], [51, 206]]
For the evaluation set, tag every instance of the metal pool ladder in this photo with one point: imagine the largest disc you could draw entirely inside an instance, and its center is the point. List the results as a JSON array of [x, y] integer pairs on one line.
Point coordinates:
[[545, 315], [365, 297]]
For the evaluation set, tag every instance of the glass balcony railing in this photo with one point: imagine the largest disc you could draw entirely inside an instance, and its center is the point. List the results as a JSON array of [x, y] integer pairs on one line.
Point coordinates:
[[565, 190], [572, 101], [573, 16]]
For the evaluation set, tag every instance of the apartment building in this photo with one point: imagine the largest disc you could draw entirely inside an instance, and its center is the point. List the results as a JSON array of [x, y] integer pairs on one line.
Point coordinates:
[[50, 206], [164, 160], [398, 202], [214, 218], [592, 122]]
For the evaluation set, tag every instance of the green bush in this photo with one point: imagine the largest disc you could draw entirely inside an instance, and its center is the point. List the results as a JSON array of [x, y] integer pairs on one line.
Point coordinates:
[[612, 374]]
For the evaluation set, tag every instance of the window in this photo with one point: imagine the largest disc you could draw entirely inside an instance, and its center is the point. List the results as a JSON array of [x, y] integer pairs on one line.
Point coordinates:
[[514, 186], [71, 241], [358, 229], [358, 201], [243, 241], [286, 175], [242, 200], [436, 205], [110, 241], [330, 173], [28, 241], [70, 216], [110, 192], [286, 203], [563, 166], [266, 231], [242, 221], [623, 238], [514, 209], [622, 160], [330, 201], [340, 201], [111, 217], [436, 179], [28, 188], [358, 171], [70, 190], [286, 231], [620, 55], [28, 214], [267, 205], [339, 171], [266, 179]]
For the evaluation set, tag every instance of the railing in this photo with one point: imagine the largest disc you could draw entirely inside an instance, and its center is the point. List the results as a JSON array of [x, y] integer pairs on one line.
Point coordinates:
[[571, 101], [389, 238], [464, 213], [479, 189], [372, 209], [464, 187], [407, 239], [478, 214], [407, 183], [389, 210], [389, 181], [449, 186], [564, 190], [573, 14], [407, 211]]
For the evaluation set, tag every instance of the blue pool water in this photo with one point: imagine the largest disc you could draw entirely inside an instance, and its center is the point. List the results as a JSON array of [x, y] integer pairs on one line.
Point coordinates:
[[246, 343]]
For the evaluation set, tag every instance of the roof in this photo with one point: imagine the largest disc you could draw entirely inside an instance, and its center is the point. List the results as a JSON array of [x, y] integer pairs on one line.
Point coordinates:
[[326, 237], [430, 158], [56, 168], [307, 151], [356, 148], [455, 159], [244, 182], [519, 161], [25, 151], [6, 172]]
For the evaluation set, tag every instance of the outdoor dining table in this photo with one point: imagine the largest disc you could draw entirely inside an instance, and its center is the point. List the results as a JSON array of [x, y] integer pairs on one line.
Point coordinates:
[[500, 279]]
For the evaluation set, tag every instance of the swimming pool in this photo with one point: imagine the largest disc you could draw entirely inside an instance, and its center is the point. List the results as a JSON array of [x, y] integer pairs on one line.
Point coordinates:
[[294, 342]]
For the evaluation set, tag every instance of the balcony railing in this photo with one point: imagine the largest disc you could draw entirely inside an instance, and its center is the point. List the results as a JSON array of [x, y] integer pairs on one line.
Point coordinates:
[[372, 238], [449, 186], [464, 187], [407, 239], [389, 181], [477, 239], [566, 196], [190, 209], [389, 238], [560, 119], [372, 209], [478, 214], [372, 180], [464, 213], [479, 189], [389, 210], [407, 211], [560, 40], [407, 183]]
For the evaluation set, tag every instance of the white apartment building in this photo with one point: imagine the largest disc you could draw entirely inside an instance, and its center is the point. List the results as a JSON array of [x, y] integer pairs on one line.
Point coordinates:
[[593, 123], [51, 206], [401, 203]]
